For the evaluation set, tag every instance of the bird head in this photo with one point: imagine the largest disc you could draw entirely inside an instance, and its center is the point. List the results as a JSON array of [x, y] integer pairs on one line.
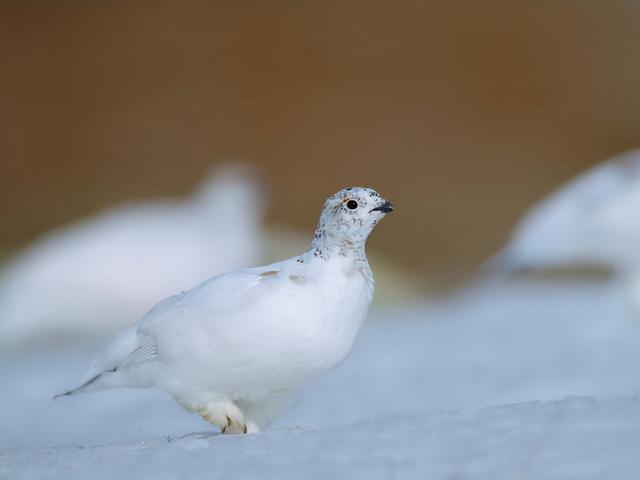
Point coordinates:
[[349, 216]]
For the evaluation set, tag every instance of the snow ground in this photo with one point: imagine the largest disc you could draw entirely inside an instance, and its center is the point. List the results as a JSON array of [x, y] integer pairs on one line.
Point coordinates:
[[504, 381], [573, 438]]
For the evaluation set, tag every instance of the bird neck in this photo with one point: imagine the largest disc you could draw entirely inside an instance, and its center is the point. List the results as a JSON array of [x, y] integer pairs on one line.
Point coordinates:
[[326, 246], [328, 250]]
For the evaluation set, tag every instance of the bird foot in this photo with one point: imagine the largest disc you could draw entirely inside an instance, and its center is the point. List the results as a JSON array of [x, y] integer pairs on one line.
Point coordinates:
[[233, 427], [224, 415]]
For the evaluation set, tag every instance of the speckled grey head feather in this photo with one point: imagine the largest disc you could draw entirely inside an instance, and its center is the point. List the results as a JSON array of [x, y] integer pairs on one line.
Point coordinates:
[[347, 219]]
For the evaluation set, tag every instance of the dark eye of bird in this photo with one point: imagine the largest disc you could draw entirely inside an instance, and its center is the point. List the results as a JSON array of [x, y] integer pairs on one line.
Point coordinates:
[[352, 204]]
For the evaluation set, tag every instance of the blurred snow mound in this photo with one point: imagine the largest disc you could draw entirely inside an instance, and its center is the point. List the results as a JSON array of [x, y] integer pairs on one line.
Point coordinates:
[[591, 220], [102, 273]]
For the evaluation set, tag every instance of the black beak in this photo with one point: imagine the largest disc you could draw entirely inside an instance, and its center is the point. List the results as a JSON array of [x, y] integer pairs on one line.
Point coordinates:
[[386, 207]]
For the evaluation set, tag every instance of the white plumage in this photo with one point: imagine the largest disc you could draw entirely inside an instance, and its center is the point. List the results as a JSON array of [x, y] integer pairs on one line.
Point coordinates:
[[235, 348], [96, 276], [592, 220]]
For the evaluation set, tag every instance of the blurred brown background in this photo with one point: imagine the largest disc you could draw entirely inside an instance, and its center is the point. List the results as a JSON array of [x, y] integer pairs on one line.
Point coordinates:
[[462, 114]]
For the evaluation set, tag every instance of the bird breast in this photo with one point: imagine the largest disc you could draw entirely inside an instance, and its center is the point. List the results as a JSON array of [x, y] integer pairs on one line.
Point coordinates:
[[296, 327]]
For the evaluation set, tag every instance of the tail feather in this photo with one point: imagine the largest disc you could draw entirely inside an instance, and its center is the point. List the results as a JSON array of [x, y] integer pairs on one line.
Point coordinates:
[[75, 390], [125, 350]]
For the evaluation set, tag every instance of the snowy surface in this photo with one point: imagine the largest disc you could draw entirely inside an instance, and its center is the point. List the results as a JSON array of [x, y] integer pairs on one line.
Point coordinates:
[[573, 438], [505, 381]]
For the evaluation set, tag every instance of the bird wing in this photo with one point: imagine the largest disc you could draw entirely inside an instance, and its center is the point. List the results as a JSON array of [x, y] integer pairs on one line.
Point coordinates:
[[211, 298], [139, 343]]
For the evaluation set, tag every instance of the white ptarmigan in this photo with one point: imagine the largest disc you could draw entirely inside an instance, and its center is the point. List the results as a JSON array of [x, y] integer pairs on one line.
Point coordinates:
[[235, 348], [592, 220], [100, 275]]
